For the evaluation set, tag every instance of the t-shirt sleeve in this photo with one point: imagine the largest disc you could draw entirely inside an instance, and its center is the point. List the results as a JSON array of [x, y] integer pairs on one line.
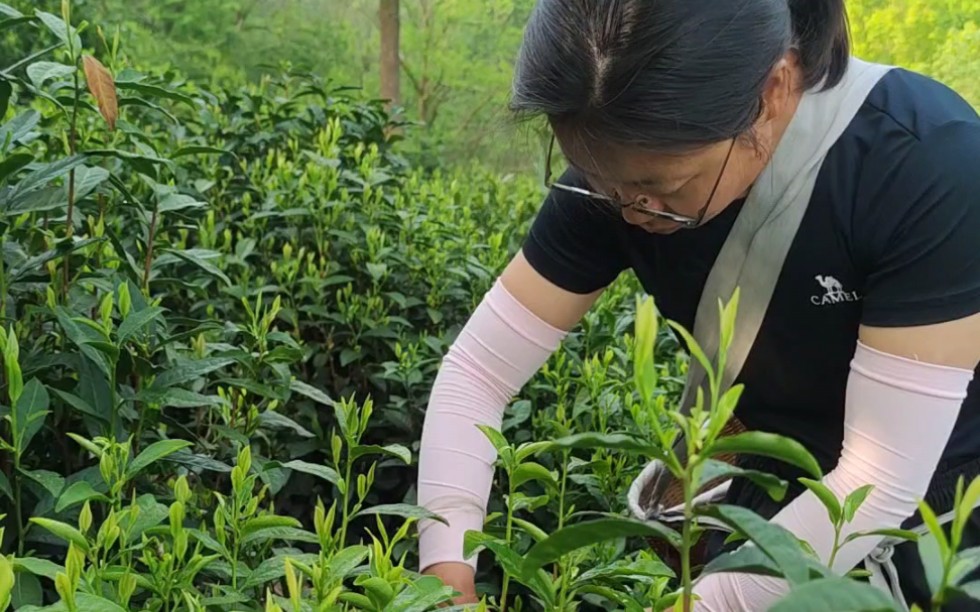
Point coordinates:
[[575, 242], [922, 233]]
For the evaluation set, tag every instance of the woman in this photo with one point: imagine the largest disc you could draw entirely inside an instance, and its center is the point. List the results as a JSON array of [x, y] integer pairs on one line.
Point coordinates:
[[671, 114]]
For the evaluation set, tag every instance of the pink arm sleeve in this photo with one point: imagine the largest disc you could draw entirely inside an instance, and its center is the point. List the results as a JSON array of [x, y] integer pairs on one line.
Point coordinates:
[[899, 415], [499, 349]]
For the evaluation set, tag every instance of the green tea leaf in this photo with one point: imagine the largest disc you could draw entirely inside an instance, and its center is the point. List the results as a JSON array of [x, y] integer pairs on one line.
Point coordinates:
[[179, 201], [40, 72], [590, 533], [63, 531], [19, 127], [713, 469], [270, 419], [136, 321], [289, 534], [6, 90], [200, 462], [932, 523], [510, 561], [11, 363], [9, 11], [903, 534], [6, 582], [86, 602], [837, 594], [322, 471], [394, 450], [826, 497], [66, 34], [969, 501], [421, 595], [175, 397], [768, 445], [77, 493], [402, 510], [964, 563], [190, 370], [13, 164], [27, 592], [153, 453], [30, 410], [532, 530], [38, 567], [496, 438], [310, 391], [52, 483], [5, 486], [154, 91], [274, 569], [745, 559], [533, 471], [346, 561], [622, 600], [775, 541], [270, 520], [630, 443], [197, 257], [854, 500]]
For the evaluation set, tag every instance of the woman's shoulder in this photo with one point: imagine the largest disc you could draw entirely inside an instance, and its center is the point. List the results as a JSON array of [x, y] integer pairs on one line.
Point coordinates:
[[914, 105]]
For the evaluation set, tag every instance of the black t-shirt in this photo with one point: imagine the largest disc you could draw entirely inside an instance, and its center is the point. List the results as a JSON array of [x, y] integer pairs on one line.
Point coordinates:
[[891, 237]]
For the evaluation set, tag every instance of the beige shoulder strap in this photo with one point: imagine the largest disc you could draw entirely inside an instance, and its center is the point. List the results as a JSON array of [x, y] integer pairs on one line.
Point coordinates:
[[753, 255], [756, 248]]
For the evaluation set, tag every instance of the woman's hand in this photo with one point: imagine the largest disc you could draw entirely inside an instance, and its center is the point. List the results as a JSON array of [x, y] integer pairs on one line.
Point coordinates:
[[459, 576]]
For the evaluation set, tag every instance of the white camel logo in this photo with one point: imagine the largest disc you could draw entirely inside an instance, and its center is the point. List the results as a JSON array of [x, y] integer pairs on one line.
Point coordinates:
[[834, 292], [831, 284]]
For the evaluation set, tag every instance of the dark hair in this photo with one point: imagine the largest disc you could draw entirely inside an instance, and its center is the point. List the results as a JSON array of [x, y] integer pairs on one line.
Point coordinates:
[[669, 74]]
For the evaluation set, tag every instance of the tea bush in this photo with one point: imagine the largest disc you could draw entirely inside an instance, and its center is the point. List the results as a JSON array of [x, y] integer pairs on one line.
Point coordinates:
[[228, 308], [223, 311]]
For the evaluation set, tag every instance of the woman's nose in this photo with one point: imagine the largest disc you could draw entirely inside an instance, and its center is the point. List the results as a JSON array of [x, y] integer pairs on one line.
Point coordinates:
[[636, 217]]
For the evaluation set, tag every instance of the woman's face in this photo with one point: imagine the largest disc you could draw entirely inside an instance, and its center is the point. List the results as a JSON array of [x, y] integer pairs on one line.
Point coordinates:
[[680, 184], [683, 183]]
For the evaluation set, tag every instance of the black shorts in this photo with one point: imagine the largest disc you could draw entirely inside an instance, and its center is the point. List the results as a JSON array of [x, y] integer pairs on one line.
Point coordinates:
[[906, 558]]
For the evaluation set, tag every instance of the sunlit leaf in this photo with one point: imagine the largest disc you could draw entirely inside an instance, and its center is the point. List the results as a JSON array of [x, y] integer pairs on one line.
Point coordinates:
[[826, 497], [854, 500], [768, 445], [64, 531], [321, 471]]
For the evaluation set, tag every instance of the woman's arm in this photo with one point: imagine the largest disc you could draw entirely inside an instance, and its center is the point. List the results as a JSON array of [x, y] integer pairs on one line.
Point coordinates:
[[515, 329], [904, 396]]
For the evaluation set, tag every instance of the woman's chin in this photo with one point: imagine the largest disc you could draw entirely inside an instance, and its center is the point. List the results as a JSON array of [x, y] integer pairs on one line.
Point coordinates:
[[657, 227]]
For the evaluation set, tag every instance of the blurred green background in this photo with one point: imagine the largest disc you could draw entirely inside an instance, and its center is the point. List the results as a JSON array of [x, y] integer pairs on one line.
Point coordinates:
[[456, 55]]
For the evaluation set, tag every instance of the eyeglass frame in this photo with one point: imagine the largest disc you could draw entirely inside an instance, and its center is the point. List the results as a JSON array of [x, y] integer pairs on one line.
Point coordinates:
[[684, 220]]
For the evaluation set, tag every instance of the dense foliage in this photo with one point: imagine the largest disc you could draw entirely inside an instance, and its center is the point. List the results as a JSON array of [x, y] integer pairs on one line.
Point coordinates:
[[223, 308]]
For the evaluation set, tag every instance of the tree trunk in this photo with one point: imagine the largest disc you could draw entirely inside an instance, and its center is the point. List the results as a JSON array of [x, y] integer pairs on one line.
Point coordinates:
[[390, 64]]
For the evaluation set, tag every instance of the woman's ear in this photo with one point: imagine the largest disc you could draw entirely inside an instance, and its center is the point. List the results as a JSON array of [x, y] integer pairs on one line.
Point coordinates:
[[781, 88]]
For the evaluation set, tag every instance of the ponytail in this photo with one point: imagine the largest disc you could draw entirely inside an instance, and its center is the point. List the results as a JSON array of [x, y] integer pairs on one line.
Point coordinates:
[[822, 37]]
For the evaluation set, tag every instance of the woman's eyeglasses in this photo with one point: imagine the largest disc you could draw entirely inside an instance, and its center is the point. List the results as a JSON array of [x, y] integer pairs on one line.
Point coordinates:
[[684, 220]]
